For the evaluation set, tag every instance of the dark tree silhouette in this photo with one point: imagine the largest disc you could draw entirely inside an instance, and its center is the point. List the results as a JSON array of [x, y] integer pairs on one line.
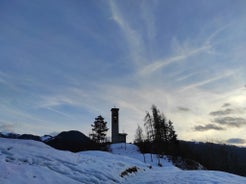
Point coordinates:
[[160, 132], [149, 126], [158, 128], [99, 129], [139, 135], [171, 134]]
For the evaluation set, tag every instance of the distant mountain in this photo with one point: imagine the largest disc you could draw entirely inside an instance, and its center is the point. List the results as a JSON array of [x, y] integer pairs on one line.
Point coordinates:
[[29, 137], [71, 140], [20, 136], [9, 135], [68, 140]]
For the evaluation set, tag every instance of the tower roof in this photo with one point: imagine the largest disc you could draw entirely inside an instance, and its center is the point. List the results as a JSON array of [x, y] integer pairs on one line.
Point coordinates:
[[115, 109]]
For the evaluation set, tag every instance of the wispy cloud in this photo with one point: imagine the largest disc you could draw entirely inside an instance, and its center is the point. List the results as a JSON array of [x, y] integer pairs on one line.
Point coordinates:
[[12, 111], [183, 109], [217, 32], [68, 116], [186, 76], [231, 121], [226, 105], [73, 97], [208, 81], [184, 52], [133, 38], [207, 127], [58, 100], [222, 112], [157, 65], [7, 80], [150, 22], [227, 111], [236, 141]]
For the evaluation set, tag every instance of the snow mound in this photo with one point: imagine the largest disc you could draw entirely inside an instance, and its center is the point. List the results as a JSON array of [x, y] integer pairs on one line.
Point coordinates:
[[27, 161], [132, 151]]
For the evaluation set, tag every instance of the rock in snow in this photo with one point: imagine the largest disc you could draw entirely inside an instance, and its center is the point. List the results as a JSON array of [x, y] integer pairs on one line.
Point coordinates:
[[27, 161]]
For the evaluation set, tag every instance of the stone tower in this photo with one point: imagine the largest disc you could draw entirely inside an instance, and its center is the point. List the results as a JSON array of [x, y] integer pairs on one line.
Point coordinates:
[[116, 136], [115, 124]]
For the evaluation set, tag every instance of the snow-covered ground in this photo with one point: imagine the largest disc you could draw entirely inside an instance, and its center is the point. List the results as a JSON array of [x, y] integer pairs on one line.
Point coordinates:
[[26, 161]]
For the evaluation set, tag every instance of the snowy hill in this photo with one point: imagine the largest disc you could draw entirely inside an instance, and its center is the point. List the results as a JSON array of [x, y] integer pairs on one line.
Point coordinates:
[[26, 161]]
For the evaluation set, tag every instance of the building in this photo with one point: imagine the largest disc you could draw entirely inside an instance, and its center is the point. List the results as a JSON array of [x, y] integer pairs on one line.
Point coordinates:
[[116, 136]]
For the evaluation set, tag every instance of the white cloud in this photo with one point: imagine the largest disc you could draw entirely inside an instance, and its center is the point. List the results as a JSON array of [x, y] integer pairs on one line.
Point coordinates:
[[210, 80], [187, 76], [183, 51], [185, 54], [149, 19], [133, 38], [217, 32]]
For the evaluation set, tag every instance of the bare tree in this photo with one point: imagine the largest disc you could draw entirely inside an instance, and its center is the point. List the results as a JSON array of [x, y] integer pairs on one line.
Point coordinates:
[[160, 132], [139, 135]]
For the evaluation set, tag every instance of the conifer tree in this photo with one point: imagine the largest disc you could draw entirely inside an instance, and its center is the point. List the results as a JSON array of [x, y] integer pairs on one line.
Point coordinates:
[[99, 129], [172, 137]]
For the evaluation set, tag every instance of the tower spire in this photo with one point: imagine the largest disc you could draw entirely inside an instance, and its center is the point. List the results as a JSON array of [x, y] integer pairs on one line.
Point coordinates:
[[115, 124]]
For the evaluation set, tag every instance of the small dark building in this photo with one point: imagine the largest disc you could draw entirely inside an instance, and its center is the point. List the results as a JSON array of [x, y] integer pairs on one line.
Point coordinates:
[[116, 136]]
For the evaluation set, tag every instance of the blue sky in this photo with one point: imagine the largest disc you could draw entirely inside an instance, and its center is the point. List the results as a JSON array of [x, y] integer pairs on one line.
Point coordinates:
[[65, 62]]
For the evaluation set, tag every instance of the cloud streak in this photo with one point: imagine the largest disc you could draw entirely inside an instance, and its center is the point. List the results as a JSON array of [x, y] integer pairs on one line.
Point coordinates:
[[222, 112], [157, 65], [183, 109], [237, 122], [236, 141], [206, 47], [227, 111], [133, 38], [208, 81], [207, 127]]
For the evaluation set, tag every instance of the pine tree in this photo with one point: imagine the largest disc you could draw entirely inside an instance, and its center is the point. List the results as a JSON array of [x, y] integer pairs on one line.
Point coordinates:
[[99, 129], [172, 136]]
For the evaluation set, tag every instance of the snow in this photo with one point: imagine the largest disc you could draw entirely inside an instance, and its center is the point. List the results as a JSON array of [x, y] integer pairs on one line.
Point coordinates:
[[132, 151], [46, 138], [26, 161]]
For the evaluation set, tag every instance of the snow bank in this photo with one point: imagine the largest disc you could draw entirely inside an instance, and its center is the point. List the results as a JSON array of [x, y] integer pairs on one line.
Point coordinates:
[[26, 161], [132, 151]]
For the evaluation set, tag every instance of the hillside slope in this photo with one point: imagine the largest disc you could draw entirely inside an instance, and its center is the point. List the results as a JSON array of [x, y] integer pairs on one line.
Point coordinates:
[[25, 161]]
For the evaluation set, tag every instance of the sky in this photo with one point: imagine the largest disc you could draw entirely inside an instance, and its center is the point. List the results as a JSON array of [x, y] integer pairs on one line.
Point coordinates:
[[63, 63]]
